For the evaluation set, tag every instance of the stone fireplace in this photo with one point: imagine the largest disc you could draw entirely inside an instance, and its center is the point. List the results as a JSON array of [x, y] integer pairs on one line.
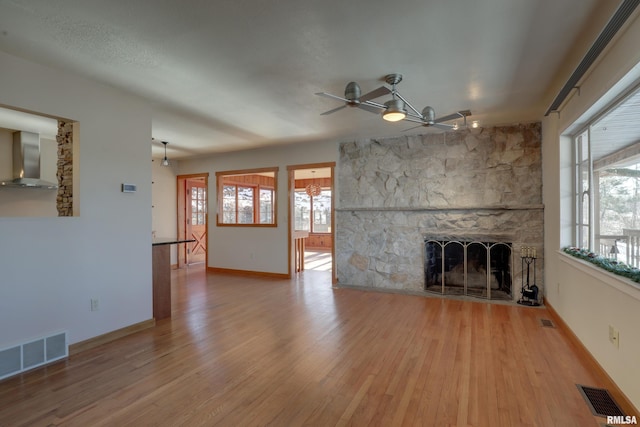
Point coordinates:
[[473, 186]]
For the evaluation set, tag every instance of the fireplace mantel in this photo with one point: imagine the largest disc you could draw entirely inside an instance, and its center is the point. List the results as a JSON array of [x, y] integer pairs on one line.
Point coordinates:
[[442, 208]]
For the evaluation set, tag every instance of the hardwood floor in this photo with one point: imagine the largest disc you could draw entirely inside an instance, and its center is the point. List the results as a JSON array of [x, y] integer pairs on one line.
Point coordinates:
[[317, 259], [242, 351]]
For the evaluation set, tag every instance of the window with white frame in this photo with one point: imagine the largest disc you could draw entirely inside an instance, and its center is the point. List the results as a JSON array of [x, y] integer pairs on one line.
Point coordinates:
[[583, 176], [607, 182]]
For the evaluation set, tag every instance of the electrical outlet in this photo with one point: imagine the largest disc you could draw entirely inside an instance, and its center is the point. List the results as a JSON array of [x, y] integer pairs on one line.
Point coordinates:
[[95, 304], [614, 336]]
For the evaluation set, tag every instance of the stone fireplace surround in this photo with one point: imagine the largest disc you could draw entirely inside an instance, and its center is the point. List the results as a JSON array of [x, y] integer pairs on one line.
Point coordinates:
[[474, 184]]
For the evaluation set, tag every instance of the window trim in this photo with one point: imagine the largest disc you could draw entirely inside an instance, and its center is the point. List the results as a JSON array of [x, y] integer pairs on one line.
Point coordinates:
[[579, 196], [256, 196]]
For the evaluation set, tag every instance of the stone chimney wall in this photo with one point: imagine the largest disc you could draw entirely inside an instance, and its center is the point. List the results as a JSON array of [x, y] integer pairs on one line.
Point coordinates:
[[473, 184], [64, 200]]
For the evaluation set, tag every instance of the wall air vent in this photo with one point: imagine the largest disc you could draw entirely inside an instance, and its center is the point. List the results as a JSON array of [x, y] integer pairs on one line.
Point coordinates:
[[610, 30], [33, 353]]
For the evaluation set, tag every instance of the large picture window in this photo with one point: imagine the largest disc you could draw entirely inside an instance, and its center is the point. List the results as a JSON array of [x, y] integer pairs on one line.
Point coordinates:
[[247, 197], [313, 213], [607, 182]]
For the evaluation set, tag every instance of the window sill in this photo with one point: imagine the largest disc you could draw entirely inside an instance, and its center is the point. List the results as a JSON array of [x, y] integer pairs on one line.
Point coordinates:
[[622, 284]]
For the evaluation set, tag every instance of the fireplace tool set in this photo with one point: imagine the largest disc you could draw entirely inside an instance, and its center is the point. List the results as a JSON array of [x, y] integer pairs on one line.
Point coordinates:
[[529, 289]]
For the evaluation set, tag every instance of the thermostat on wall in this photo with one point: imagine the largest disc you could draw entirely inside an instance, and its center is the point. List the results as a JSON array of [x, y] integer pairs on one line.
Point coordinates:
[[129, 188]]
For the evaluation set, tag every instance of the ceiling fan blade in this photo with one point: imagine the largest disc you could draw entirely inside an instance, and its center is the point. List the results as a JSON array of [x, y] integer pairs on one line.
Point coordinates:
[[412, 128], [414, 120], [369, 107], [328, 95], [449, 117], [453, 116], [326, 113], [376, 93], [443, 126]]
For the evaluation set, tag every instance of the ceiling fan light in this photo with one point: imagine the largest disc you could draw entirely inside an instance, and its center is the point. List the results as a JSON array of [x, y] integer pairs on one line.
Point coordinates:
[[394, 110]]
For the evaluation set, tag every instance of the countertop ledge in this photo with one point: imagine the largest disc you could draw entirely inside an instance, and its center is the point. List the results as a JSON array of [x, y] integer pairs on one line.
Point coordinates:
[[169, 241]]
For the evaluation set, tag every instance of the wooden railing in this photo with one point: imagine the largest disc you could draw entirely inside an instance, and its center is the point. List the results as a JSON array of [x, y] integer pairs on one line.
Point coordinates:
[[633, 246], [299, 238]]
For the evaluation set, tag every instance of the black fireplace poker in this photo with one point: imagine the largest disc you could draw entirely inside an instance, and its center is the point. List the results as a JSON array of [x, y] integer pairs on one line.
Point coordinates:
[[529, 289]]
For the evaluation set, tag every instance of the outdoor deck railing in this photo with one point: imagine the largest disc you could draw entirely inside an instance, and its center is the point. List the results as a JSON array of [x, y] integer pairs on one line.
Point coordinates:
[[633, 246], [627, 244]]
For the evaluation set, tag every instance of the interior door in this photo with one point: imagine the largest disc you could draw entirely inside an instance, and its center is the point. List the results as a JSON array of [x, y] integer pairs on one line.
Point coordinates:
[[196, 220]]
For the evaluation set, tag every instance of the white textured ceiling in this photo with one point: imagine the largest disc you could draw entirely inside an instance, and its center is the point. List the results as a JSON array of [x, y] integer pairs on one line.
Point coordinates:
[[234, 74]]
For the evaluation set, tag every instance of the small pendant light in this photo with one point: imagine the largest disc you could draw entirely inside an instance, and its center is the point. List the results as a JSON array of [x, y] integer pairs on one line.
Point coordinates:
[[165, 161]]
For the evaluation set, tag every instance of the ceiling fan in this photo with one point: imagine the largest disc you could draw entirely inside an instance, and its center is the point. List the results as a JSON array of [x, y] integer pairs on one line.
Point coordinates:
[[394, 109]]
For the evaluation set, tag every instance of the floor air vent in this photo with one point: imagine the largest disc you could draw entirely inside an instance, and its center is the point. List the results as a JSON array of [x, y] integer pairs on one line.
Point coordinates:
[[32, 354], [547, 323], [600, 401]]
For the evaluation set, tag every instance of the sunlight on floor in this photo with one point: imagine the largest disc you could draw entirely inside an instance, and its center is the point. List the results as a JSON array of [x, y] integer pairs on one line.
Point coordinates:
[[317, 260]]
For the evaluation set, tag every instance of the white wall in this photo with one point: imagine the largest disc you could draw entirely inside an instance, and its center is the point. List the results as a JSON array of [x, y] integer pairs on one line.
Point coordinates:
[[164, 202], [588, 299], [260, 249], [50, 268]]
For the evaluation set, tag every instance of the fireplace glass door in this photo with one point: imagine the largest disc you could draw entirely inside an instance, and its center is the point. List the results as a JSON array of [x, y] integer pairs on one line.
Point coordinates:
[[478, 269]]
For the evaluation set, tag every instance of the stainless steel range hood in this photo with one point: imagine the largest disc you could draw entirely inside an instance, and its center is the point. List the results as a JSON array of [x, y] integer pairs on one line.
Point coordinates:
[[26, 163]]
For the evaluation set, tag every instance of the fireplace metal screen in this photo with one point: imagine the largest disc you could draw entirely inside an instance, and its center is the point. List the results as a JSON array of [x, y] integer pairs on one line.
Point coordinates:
[[479, 269]]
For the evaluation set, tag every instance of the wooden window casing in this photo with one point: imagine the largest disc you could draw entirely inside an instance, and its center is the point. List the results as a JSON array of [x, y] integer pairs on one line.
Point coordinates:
[[247, 198]]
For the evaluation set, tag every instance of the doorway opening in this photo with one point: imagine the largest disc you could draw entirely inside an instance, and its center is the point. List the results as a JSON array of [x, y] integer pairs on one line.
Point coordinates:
[[312, 218], [193, 218]]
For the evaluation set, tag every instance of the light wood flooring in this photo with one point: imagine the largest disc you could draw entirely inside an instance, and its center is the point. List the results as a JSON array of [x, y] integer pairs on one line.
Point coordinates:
[[317, 259], [243, 351]]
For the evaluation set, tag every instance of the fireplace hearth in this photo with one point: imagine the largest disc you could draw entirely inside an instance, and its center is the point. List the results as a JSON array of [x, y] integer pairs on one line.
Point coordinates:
[[469, 268]]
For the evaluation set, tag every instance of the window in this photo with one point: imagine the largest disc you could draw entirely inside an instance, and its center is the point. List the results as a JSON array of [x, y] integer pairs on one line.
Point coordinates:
[[607, 182], [266, 205], [198, 205], [247, 198], [302, 211], [583, 194], [313, 213]]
